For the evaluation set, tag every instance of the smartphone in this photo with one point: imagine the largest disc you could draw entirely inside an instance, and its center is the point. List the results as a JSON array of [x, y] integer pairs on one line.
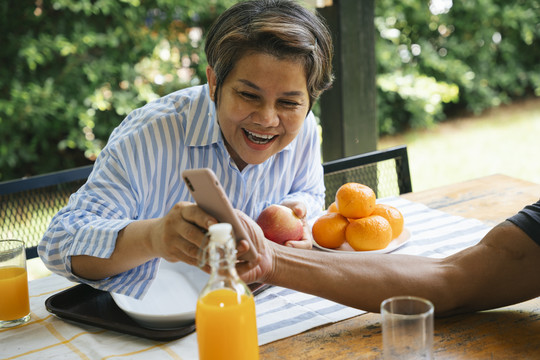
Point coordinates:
[[209, 195]]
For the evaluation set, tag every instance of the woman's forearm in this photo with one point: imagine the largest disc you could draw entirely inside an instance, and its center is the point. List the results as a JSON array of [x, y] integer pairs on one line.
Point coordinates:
[[133, 248]]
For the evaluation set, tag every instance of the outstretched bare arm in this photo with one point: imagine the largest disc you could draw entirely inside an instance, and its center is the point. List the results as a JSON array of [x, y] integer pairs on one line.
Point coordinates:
[[500, 270]]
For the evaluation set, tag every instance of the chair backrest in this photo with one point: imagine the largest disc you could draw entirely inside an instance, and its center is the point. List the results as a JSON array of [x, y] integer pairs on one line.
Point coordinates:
[[385, 171], [27, 205]]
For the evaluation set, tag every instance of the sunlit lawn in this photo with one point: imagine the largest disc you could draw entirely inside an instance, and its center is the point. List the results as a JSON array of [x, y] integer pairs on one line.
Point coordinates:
[[505, 140]]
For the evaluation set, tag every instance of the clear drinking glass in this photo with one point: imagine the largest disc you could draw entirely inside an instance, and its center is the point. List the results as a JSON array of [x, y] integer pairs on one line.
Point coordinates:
[[14, 301], [407, 328]]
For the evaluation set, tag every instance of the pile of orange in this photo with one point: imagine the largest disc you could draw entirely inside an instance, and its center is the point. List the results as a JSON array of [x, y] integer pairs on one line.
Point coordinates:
[[356, 218]]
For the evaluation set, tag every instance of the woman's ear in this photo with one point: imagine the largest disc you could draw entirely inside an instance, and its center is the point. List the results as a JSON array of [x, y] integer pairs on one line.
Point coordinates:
[[211, 77]]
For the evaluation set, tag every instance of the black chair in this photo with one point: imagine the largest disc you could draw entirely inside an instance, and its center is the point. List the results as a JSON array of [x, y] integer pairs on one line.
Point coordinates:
[[27, 205], [385, 171]]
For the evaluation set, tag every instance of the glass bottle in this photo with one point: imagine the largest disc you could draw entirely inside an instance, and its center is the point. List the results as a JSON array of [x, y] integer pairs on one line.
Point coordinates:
[[225, 316]]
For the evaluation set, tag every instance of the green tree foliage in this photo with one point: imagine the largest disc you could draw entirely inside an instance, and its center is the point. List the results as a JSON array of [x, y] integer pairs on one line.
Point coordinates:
[[470, 56], [71, 70]]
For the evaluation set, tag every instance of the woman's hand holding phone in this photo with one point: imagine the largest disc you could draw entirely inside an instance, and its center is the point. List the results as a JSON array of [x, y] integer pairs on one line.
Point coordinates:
[[206, 189], [179, 235]]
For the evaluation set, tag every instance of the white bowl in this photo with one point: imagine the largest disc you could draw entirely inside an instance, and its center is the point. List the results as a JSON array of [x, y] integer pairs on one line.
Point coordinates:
[[171, 300]]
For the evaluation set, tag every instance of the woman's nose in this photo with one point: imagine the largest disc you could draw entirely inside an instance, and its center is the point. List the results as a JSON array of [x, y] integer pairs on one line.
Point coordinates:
[[267, 116]]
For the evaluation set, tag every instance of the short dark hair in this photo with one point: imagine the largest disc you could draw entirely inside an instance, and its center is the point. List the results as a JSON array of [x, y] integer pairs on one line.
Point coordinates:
[[281, 28]]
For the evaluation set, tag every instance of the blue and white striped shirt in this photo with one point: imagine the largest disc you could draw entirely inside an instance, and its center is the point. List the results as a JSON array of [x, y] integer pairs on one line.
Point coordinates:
[[138, 176]]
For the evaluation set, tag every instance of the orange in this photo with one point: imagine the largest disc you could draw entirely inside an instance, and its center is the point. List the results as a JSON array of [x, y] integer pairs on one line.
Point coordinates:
[[329, 230], [393, 215], [332, 207], [355, 200], [369, 233]]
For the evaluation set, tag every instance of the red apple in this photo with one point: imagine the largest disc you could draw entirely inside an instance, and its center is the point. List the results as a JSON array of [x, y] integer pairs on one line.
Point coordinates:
[[280, 224]]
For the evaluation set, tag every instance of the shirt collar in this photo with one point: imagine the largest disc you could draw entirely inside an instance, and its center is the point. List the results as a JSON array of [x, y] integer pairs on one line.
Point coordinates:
[[202, 128]]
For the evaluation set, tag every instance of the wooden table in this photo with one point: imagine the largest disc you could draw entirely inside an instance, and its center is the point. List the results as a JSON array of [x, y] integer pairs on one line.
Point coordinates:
[[506, 333]]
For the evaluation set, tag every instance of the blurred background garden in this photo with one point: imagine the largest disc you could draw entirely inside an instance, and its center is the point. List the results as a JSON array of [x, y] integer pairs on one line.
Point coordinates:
[[71, 70]]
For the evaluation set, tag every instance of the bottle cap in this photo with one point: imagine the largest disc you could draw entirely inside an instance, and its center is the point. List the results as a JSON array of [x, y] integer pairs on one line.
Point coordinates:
[[220, 233]]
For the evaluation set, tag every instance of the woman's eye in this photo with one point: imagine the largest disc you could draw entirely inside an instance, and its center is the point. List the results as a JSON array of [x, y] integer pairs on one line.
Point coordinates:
[[290, 103], [248, 95]]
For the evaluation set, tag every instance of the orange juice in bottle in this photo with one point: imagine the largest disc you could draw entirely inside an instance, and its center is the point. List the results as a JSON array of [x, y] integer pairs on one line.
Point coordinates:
[[225, 317]]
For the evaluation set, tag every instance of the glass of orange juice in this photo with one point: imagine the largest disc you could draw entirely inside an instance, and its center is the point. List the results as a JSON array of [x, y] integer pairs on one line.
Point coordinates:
[[14, 301]]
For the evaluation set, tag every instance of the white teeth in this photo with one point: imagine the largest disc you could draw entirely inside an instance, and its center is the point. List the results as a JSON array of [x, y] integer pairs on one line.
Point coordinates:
[[260, 135], [259, 138]]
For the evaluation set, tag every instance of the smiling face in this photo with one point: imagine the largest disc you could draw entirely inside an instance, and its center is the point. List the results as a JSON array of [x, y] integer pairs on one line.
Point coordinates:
[[261, 106]]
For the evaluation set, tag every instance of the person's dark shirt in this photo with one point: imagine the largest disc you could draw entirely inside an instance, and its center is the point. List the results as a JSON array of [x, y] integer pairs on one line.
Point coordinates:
[[528, 220]]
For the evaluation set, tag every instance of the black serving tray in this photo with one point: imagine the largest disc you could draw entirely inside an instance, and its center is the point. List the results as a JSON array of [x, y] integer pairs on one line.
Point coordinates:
[[82, 303]]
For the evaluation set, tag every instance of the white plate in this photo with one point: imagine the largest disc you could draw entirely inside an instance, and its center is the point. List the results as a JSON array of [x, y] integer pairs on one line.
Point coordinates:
[[401, 240], [171, 300]]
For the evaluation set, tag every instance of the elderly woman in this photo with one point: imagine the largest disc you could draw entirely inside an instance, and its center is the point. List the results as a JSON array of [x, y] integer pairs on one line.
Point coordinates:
[[251, 123]]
